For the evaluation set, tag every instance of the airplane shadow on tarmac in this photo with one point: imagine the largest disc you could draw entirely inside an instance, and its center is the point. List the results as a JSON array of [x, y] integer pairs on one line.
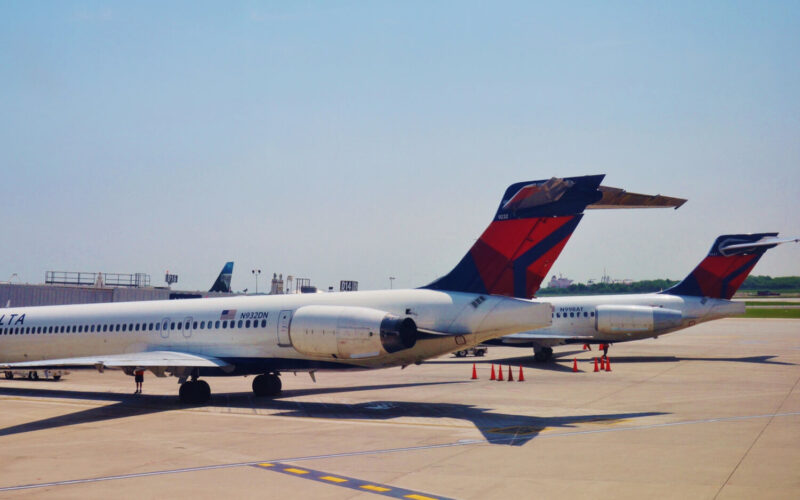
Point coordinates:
[[497, 428]]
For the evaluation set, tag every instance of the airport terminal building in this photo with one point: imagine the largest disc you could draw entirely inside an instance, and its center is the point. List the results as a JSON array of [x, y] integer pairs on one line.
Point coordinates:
[[65, 287]]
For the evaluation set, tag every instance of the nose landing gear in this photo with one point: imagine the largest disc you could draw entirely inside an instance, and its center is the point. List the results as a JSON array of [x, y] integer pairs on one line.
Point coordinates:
[[268, 384]]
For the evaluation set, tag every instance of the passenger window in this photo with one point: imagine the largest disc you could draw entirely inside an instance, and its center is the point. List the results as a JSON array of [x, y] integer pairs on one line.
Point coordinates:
[[119, 327], [202, 324], [558, 315], [246, 323], [180, 325], [194, 325], [240, 323], [158, 327], [225, 324], [263, 323], [172, 326], [216, 324], [585, 314], [592, 314], [571, 315]]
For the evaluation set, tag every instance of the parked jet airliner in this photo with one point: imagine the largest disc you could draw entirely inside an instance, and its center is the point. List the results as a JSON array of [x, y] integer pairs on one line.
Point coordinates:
[[483, 297], [704, 295]]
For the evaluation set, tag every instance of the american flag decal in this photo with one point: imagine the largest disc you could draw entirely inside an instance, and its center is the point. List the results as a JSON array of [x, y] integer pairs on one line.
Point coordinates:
[[228, 314]]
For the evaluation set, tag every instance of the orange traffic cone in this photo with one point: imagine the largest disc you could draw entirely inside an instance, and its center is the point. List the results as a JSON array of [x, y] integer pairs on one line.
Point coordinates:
[[510, 375], [521, 377], [500, 373], [608, 365], [474, 372], [493, 377], [596, 369], [603, 363], [575, 365]]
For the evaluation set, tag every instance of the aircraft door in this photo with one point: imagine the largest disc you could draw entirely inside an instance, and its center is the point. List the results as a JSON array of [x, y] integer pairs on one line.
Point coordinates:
[[165, 328], [187, 327], [284, 320]]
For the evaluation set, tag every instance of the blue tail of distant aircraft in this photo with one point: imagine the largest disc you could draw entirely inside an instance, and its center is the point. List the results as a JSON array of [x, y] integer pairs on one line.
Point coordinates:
[[223, 283]]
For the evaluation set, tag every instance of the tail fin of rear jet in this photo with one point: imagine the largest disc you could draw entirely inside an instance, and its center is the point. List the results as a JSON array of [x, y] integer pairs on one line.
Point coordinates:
[[730, 260], [533, 223], [223, 283]]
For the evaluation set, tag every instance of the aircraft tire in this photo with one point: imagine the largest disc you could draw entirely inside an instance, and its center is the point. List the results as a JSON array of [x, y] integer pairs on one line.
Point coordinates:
[[194, 392], [268, 385], [9, 375], [542, 355], [261, 385], [275, 385], [56, 377]]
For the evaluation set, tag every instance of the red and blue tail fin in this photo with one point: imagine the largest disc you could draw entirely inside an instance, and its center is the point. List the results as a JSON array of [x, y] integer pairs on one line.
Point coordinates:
[[533, 223], [726, 266]]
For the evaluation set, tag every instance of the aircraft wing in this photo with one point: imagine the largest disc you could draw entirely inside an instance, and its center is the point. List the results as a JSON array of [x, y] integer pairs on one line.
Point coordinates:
[[523, 337], [130, 360]]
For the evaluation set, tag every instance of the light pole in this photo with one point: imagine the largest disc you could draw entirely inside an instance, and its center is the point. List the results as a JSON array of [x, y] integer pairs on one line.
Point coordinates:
[[391, 282], [256, 272]]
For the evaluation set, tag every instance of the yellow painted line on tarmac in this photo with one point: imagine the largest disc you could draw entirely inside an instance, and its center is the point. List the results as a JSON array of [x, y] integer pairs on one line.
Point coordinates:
[[296, 471], [334, 479], [372, 487], [350, 483]]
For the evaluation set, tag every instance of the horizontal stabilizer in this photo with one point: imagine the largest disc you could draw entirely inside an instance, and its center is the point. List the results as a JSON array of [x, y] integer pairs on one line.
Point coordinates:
[[619, 198], [766, 241], [130, 360]]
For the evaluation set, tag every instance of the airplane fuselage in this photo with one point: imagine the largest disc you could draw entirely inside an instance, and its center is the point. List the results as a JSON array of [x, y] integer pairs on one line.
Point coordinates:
[[621, 318], [257, 334]]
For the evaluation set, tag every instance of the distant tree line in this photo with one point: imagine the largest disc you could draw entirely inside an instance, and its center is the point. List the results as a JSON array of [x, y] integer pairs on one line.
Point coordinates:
[[752, 283], [769, 283]]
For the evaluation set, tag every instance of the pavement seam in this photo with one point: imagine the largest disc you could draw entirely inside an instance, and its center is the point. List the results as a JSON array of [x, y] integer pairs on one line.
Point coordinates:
[[744, 455]]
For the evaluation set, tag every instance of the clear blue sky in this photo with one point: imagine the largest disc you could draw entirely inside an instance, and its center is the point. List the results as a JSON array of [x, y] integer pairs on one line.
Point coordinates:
[[359, 140]]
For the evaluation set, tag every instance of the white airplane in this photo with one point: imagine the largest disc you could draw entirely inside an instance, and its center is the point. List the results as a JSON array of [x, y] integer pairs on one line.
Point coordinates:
[[483, 297], [704, 295]]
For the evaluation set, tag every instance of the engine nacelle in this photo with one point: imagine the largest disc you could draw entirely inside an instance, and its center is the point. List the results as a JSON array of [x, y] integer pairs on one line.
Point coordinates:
[[350, 332], [635, 319]]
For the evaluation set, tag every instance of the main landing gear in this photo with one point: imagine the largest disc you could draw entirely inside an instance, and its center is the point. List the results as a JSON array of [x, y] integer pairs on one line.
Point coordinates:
[[195, 391], [542, 354], [268, 384]]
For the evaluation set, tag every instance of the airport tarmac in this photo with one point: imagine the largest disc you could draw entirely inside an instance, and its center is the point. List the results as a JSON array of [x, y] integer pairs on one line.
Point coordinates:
[[710, 412]]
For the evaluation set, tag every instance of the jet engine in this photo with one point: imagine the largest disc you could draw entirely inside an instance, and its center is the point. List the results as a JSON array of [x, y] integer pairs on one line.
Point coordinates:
[[634, 319], [350, 332]]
